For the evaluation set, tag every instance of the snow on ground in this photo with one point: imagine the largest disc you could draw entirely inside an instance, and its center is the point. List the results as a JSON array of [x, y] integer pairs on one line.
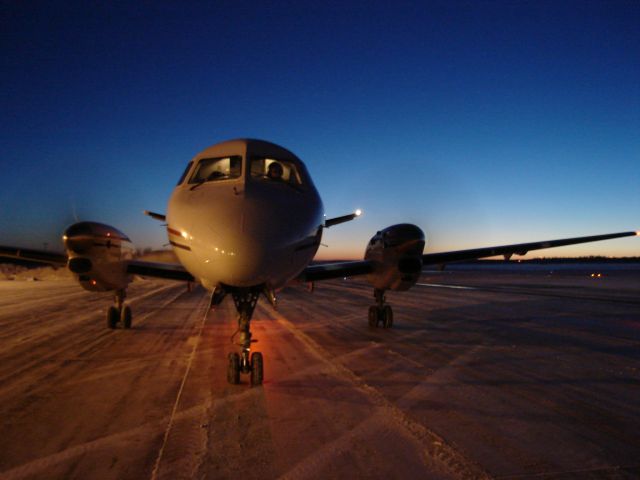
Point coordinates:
[[21, 273], [514, 377]]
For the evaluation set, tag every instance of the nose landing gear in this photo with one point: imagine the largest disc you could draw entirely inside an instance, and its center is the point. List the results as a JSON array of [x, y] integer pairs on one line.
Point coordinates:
[[120, 312], [380, 313], [245, 362]]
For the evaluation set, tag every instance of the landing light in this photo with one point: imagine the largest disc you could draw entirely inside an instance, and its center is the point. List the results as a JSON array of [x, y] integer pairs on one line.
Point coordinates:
[[359, 212]]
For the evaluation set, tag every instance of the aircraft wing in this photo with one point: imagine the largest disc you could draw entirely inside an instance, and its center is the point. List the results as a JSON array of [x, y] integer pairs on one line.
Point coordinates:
[[517, 249], [30, 255], [148, 269], [327, 271], [171, 271]]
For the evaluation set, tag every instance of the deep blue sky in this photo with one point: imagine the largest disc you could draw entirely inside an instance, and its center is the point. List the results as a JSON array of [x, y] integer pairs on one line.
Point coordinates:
[[483, 122]]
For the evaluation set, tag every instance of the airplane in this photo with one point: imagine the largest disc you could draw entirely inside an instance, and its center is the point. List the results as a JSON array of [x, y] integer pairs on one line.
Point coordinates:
[[244, 220]]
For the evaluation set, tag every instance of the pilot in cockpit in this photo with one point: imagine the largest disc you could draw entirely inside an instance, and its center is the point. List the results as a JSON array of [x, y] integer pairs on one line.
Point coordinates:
[[274, 172]]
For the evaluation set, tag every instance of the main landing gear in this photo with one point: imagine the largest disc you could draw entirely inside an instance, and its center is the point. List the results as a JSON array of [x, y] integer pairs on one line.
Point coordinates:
[[245, 300], [380, 313], [119, 312]]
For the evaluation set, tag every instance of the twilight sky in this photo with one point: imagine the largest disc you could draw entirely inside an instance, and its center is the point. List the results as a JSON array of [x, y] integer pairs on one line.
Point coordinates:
[[483, 122]]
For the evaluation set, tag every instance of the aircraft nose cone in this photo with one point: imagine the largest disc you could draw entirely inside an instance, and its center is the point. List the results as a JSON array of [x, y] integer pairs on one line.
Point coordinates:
[[247, 238], [251, 262], [78, 238]]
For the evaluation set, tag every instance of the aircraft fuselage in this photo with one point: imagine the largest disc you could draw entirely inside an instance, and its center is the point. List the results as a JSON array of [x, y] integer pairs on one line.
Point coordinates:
[[235, 226]]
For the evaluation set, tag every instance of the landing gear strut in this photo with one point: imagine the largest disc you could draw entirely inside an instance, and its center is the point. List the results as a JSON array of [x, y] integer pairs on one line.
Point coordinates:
[[120, 312], [380, 313], [245, 300]]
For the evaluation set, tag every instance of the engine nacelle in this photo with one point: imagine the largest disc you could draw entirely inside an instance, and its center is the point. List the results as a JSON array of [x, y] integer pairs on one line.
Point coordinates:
[[97, 256], [396, 253]]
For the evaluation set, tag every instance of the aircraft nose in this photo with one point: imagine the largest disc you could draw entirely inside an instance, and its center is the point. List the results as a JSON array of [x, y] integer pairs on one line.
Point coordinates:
[[251, 263], [242, 262], [249, 254], [250, 238]]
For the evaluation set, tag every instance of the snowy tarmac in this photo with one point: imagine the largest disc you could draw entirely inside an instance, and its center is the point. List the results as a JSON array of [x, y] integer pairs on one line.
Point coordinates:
[[484, 375]]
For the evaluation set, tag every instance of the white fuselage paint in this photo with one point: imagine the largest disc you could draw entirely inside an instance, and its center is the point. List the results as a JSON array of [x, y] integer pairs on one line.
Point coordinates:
[[245, 231]]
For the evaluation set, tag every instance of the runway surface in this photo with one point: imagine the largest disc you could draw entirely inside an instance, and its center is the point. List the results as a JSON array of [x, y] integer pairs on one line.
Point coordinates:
[[484, 375]]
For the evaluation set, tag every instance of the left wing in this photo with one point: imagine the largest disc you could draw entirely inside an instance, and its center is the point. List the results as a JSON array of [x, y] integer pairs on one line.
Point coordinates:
[[327, 271], [35, 256], [517, 249]]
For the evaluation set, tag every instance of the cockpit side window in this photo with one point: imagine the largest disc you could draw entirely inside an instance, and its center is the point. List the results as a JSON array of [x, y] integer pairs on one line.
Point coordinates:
[[214, 169], [184, 174], [275, 170]]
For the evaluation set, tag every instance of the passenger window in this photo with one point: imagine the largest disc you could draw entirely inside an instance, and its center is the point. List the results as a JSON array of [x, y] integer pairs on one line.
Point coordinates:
[[184, 174], [275, 170], [213, 169]]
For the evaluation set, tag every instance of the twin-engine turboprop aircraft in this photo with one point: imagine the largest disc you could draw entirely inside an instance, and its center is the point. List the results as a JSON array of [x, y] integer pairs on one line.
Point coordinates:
[[245, 219]]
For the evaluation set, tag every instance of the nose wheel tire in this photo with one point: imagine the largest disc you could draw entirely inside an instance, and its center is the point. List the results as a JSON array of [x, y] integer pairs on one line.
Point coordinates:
[[233, 369], [254, 368], [256, 374]]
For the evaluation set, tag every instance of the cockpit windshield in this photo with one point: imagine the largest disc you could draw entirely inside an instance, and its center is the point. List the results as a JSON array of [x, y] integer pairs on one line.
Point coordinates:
[[214, 169], [275, 170], [184, 174]]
